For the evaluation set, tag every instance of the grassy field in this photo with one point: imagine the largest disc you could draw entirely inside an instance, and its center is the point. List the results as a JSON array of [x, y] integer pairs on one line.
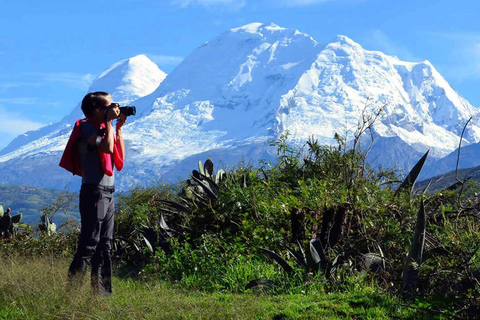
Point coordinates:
[[35, 289]]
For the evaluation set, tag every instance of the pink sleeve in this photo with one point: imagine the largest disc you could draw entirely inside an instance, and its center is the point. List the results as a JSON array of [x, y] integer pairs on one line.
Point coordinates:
[[117, 156]]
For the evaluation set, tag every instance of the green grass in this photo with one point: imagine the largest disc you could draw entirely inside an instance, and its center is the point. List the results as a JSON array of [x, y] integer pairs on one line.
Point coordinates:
[[35, 289]]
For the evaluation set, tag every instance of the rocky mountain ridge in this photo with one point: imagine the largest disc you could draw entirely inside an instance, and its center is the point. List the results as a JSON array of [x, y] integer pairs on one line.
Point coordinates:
[[237, 92]]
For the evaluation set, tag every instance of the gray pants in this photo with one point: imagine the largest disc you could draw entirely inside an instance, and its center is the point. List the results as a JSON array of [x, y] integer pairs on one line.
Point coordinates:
[[97, 209]]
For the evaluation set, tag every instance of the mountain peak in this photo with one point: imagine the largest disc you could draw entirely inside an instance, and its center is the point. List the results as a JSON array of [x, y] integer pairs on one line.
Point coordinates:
[[129, 79], [257, 27], [263, 29], [346, 41]]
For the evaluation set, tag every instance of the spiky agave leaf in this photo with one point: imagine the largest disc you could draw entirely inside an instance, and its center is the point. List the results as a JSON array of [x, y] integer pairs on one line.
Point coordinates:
[[302, 252], [220, 176], [382, 256], [206, 187], [213, 185], [208, 166], [316, 250], [149, 245], [168, 210], [300, 258], [176, 205], [17, 218], [412, 175], [169, 231], [427, 186], [150, 234], [198, 195], [340, 262], [284, 264], [414, 258], [196, 174], [164, 225], [200, 168]]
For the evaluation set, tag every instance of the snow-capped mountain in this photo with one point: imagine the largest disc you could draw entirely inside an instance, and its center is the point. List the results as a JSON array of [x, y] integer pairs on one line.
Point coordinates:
[[32, 158], [237, 92]]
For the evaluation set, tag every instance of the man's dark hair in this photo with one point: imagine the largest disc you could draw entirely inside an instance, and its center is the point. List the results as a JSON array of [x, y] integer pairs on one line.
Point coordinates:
[[93, 101]]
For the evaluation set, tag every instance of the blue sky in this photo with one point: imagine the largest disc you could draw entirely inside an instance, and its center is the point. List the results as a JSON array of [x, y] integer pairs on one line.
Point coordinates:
[[51, 50]]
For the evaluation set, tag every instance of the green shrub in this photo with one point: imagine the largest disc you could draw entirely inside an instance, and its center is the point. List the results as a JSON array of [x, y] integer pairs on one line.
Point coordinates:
[[210, 237]]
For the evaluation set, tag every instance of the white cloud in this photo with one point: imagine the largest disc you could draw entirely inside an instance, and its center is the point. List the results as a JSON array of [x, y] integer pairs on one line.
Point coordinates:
[[20, 101], [227, 4], [302, 3], [72, 80], [306, 3], [4, 86], [14, 124], [238, 4]]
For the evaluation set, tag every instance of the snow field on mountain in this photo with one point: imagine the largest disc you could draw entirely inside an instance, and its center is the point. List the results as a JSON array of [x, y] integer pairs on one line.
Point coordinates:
[[239, 91]]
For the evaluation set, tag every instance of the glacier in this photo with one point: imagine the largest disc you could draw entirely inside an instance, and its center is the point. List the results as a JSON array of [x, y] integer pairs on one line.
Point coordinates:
[[236, 93]]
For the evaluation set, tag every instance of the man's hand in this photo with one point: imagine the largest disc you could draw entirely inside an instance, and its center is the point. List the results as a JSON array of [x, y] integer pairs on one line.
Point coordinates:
[[121, 121], [113, 112]]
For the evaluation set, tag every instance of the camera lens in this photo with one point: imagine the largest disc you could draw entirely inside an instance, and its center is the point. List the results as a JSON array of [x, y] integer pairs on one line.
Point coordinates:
[[128, 111]]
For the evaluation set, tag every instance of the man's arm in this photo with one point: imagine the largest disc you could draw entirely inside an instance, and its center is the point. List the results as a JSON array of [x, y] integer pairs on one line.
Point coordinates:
[[106, 144], [120, 121]]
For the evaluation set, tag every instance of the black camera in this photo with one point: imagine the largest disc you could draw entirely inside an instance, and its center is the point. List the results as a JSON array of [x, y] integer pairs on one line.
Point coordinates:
[[128, 110]]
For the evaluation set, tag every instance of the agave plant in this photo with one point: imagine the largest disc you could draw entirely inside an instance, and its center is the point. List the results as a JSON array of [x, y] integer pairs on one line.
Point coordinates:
[[47, 226], [199, 194], [335, 224]]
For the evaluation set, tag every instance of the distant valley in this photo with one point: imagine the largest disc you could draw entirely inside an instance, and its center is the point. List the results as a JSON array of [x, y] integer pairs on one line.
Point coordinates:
[[29, 202]]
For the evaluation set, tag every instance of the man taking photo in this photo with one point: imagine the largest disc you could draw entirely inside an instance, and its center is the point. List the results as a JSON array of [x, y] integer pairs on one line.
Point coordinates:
[[95, 147]]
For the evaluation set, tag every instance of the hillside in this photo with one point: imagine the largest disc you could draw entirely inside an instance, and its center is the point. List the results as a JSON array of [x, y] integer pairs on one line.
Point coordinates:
[[29, 202]]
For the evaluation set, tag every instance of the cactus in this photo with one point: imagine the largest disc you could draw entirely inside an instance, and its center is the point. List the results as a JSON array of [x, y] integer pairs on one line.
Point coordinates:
[[9, 225], [5, 225]]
